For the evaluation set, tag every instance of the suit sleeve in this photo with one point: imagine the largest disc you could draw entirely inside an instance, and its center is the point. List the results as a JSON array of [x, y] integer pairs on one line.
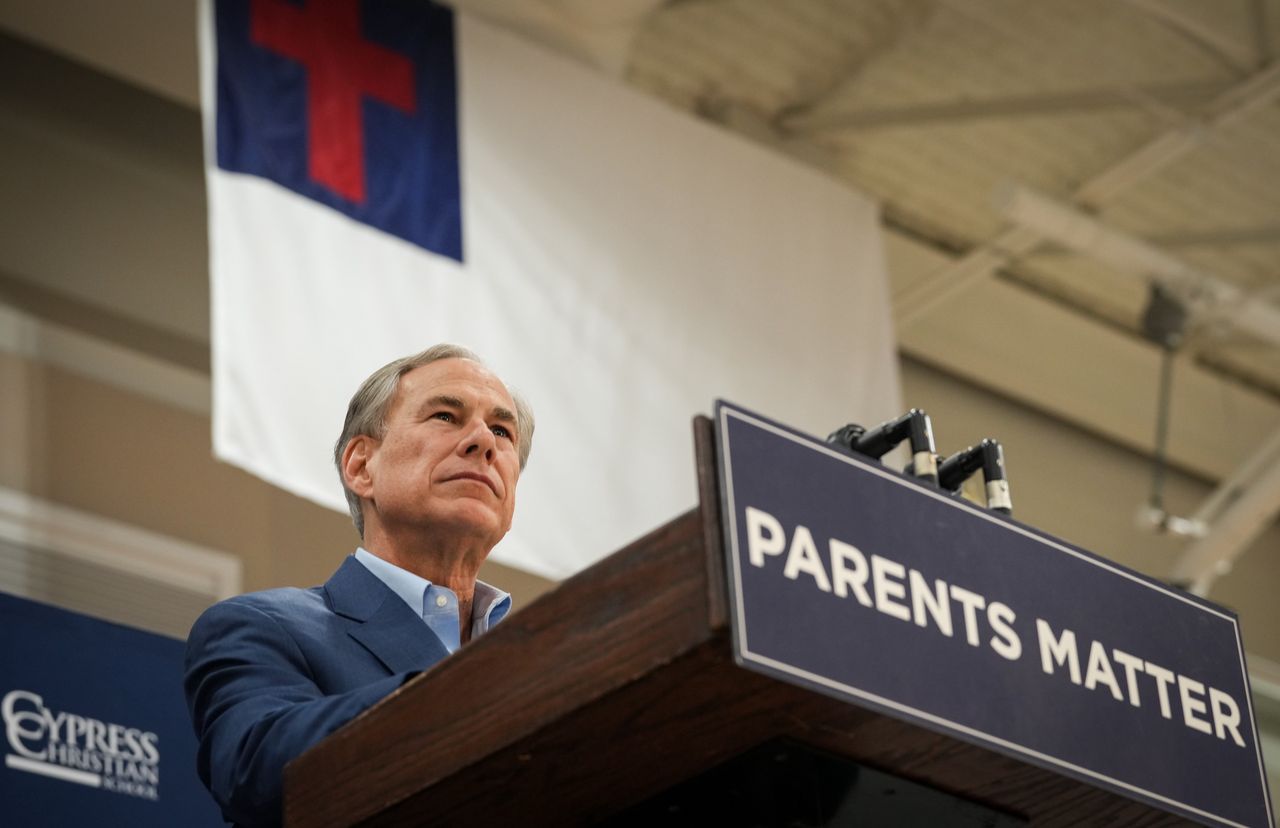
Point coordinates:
[[255, 707]]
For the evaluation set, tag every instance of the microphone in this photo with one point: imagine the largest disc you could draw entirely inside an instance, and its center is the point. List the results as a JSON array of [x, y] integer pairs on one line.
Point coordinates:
[[914, 427], [987, 456]]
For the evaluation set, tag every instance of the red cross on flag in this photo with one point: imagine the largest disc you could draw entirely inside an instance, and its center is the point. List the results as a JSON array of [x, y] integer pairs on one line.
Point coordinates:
[[343, 68]]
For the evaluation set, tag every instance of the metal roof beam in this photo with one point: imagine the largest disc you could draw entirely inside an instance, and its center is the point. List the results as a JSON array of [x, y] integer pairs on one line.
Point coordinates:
[[1161, 97], [1259, 22], [822, 88], [1259, 90], [1222, 237], [1236, 513], [1228, 51], [1263, 234], [1209, 299]]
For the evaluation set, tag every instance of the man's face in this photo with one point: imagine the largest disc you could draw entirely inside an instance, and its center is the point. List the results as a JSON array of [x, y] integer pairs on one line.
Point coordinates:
[[449, 460]]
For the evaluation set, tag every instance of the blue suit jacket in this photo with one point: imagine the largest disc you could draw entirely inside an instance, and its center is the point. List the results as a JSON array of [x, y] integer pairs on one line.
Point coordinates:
[[271, 673]]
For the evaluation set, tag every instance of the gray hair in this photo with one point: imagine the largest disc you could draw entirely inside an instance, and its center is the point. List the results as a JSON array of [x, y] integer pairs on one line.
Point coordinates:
[[367, 411]]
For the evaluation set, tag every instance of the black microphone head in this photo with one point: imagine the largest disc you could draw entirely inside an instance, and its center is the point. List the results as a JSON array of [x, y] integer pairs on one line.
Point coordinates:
[[846, 436], [992, 460]]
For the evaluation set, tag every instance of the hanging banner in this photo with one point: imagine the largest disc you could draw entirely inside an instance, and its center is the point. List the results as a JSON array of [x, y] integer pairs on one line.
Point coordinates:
[[383, 176]]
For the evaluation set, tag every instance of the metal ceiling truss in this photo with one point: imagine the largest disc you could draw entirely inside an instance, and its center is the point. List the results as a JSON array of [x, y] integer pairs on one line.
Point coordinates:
[[1232, 517], [1164, 100], [1231, 53], [1239, 101], [1210, 301]]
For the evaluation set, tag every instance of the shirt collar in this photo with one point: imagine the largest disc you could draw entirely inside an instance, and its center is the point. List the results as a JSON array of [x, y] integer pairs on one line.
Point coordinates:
[[489, 605]]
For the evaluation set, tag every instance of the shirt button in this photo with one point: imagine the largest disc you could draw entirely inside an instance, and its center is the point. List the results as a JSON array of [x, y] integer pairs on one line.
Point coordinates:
[[441, 601]]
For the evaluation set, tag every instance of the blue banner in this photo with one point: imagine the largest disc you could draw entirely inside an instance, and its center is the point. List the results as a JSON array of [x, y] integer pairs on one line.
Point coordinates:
[[96, 728], [859, 582]]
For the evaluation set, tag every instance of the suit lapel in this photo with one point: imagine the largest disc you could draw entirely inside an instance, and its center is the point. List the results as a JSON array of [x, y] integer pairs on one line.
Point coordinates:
[[381, 622]]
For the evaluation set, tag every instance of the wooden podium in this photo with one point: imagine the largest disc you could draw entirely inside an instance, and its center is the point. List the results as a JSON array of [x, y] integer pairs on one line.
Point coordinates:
[[621, 685]]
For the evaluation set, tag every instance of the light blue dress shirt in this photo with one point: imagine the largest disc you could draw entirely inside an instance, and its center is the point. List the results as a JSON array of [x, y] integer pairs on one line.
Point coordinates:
[[438, 605]]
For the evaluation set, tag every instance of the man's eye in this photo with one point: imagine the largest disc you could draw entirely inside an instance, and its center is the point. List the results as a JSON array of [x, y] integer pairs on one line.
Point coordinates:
[[447, 416], [502, 431]]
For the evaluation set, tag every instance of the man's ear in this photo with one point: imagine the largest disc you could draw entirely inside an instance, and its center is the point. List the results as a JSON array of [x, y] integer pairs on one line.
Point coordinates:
[[356, 459]]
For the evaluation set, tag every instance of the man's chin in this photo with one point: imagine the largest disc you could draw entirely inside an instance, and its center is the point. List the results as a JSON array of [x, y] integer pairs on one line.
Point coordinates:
[[475, 515]]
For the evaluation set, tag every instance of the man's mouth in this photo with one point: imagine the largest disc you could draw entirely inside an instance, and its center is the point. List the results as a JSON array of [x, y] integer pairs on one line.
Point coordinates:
[[478, 477]]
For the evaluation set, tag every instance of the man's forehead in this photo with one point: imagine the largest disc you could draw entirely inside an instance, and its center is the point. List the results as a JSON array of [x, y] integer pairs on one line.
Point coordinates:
[[457, 378]]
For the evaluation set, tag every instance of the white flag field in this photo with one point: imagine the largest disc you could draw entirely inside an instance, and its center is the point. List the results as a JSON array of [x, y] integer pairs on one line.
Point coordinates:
[[625, 265]]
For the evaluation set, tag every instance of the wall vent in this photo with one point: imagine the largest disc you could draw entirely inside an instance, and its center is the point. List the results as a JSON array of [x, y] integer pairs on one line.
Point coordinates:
[[108, 569]]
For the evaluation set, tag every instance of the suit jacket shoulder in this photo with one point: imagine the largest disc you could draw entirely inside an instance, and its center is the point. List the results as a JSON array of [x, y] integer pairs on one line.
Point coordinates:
[[269, 674]]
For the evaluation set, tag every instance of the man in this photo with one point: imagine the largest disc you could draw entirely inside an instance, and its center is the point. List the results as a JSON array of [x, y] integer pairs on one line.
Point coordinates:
[[429, 457]]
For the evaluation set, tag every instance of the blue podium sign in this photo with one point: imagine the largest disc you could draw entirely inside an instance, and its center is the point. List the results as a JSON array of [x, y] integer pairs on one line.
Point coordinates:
[[854, 580], [95, 724]]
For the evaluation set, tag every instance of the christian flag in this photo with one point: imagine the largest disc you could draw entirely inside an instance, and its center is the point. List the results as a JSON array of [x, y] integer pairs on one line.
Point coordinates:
[[384, 175]]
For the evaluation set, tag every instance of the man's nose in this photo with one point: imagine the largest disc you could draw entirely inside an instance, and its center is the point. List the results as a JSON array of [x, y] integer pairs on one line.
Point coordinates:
[[479, 439]]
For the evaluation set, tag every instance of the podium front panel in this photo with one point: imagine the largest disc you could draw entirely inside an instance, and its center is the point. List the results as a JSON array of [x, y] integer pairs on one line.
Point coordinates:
[[859, 582]]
